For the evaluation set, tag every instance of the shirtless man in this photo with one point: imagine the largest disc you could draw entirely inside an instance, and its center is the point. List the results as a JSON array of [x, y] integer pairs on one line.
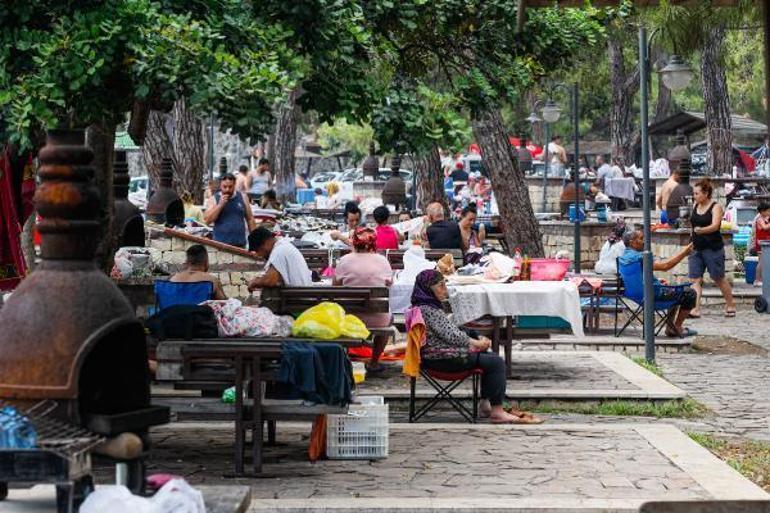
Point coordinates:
[[661, 199], [197, 270]]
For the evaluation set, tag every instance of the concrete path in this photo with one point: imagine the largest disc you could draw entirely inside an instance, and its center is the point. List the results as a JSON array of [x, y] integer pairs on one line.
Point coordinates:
[[458, 466]]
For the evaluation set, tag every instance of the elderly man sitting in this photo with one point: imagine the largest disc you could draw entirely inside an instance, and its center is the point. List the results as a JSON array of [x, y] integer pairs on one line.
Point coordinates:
[[441, 234], [684, 298]]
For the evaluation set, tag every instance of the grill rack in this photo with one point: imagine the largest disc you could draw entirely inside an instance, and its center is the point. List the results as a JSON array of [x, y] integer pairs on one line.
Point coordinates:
[[61, 438]]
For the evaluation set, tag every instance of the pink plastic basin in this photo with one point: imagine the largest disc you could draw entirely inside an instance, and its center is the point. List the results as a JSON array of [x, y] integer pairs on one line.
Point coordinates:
[[548, 269]]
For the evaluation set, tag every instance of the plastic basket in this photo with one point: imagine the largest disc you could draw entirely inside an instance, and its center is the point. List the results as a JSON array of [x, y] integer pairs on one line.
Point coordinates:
[[362, 434], [548, 269]]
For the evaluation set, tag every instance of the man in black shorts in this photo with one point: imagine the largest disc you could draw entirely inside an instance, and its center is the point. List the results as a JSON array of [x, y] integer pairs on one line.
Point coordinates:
[[684, 298]]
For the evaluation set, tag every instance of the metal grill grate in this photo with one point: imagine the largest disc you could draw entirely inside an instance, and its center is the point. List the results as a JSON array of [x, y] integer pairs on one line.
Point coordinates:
[[56, 436]]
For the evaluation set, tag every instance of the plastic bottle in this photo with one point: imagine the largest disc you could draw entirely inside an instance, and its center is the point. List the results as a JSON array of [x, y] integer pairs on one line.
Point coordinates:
[[525, 269], [517, 264]]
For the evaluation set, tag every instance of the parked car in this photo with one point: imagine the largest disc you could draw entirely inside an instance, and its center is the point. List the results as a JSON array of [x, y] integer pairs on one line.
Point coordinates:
[[137, 191], [320, 180]]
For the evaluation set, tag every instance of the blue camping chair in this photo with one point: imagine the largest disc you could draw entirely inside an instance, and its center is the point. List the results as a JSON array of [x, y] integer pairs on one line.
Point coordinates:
[[168, 293], [631, 278]]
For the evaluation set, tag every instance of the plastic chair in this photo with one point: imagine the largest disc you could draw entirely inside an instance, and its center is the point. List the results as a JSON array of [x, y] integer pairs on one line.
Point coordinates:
[[168, 293], [632, 280]]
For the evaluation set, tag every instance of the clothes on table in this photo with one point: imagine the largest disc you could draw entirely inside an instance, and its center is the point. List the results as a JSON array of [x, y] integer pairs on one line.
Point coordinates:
[[622, 188], [320, 373], [290, 264], [236, 320]]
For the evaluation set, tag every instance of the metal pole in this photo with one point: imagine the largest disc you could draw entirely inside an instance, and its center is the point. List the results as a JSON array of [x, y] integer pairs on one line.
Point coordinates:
[[576, 172], [649, 307], [766, 32], [547, 165], [211, 147]]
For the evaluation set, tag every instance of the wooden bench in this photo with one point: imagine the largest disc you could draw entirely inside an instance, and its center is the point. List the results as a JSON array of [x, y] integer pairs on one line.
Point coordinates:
[[211, 365]]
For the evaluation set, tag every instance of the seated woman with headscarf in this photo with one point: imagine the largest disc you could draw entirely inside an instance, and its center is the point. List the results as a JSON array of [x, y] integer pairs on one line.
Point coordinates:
[[364, 267], [449, 349], [612, 250]]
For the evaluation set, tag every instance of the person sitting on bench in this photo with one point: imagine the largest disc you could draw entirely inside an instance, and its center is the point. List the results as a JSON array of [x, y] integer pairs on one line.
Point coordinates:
[[365, 268], [285, 265], [197, 270], [449, 349]]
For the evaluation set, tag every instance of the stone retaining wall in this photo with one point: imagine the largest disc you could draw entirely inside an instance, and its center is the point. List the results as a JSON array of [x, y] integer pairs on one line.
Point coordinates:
[[667, 243], [553, 191], [233, 270]]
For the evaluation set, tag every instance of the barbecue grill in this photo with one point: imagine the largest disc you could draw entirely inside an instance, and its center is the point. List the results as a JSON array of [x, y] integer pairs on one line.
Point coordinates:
[[62, 457], [71, 338]]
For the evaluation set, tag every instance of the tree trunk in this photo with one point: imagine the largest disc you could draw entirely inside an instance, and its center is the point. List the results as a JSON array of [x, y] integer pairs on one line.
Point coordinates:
[[717, 102], [28, 242], [520, 227], [623, 86], [188, 141], [285, 142], [157, 145], [180, 136], [100, 137], [430, 179]]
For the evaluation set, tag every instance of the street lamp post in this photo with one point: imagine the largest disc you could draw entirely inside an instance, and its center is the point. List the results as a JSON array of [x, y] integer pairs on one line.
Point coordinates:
[[551, 113], [676, 75], [534, 118]]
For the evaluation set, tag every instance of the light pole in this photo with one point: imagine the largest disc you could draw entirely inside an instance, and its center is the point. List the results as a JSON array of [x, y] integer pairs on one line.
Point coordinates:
[[551, 113], [676, 75], [534, 118]]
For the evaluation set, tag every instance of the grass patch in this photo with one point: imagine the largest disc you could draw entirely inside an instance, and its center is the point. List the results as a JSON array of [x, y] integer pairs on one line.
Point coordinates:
[[652, 367], [749, 457], [679, 409]]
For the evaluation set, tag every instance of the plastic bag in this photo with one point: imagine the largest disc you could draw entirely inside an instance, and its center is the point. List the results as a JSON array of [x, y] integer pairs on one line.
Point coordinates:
[[354, 327], [324, 321], [176, 496]]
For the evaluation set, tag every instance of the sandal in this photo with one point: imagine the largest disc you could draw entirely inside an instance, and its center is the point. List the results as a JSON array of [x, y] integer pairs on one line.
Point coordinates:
[[693, 316], [729, 313], [688, 332]]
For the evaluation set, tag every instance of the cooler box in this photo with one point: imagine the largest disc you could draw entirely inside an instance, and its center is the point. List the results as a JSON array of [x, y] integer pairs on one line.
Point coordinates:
[[305, 196], [541, 322], [750, 266]]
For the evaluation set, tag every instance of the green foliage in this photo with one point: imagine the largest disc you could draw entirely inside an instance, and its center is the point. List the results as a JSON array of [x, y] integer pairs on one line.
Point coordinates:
[[341, 135], [650, 366], [416, 118], [71, 65], [681, 409]]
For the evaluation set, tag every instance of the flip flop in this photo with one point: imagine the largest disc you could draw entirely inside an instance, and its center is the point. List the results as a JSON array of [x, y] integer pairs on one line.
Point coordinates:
[[730, 313], [693, 316], [528, 419], [687, 332]]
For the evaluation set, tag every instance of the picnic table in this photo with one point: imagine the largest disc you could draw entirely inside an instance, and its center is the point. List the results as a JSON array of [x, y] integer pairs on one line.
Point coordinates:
[[247, 362]]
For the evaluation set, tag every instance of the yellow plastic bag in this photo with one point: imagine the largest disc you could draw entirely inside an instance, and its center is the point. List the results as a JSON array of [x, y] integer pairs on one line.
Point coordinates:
[[353, 327], [324, 321]]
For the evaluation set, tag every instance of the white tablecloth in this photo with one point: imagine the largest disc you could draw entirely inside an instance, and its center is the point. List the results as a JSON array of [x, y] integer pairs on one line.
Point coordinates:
[[620, 188], [547, 298]]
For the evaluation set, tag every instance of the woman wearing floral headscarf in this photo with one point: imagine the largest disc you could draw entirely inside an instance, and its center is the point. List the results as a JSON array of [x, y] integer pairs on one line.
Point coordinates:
[[365, 268], [449, 349]]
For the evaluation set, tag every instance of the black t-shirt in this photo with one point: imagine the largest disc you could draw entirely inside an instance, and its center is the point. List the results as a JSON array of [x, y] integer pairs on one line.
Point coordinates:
[[444, 235], [458, 175]]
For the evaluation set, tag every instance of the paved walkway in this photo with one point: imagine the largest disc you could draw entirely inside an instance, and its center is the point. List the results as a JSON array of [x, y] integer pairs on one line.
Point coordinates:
[[615, 465]]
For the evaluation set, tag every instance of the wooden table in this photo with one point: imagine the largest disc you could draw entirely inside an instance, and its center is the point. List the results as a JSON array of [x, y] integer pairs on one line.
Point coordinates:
[[247, 357]]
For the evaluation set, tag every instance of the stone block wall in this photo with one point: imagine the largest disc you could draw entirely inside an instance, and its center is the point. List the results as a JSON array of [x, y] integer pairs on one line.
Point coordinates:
[[666, 244], [233, 270], [553, 191], [560, 236]]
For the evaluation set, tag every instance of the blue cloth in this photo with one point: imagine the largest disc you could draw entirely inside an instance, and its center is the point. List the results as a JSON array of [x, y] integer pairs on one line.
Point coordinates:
[[320, 373], [169, 293], [230, 226]]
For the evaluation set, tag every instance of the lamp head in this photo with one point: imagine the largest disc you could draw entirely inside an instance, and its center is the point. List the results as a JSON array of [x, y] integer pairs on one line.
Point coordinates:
[[677, 74], [551, 112]]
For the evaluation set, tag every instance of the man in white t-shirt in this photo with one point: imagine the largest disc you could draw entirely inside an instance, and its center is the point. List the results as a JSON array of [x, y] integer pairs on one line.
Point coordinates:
[[285, 265], [558, 156], [603, 171]]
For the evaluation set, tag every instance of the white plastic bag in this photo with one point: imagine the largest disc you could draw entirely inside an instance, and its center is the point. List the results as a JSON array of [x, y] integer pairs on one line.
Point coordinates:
[[176, 496]]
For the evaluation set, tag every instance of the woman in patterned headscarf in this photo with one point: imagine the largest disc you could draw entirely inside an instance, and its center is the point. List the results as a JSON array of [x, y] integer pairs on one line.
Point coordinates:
[[365, 268], [447, 348]]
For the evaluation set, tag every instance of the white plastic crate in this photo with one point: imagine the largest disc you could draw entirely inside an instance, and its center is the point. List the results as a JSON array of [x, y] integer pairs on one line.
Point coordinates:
[[362, 434]]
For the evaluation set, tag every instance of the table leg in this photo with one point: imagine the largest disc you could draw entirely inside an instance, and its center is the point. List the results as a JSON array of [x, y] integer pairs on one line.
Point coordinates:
[[257, 428], [239, 429], [496, 335], [508, 345]]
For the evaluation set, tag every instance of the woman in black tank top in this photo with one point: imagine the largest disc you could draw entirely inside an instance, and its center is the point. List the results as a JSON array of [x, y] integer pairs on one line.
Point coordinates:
[[709, 254]]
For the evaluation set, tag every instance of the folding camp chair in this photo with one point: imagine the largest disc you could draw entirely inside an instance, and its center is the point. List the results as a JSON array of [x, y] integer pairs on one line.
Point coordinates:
[[436, 379], [633, 290], [168, 293]]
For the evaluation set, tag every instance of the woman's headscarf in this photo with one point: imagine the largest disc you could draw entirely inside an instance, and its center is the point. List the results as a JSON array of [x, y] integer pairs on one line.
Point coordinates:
[[617, 231], [364, 240], [422, 295]]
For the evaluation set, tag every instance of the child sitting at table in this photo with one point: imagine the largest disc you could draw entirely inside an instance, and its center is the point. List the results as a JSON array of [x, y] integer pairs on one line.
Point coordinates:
[[387, 236]]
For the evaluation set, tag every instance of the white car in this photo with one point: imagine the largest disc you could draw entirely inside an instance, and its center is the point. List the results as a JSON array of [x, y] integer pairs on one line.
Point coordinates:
[[137, 191], [320, 180]]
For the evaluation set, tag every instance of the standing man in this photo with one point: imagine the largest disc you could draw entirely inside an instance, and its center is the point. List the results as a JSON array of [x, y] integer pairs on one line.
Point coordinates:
[[230, 213], [242, 181], [525, 157]]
